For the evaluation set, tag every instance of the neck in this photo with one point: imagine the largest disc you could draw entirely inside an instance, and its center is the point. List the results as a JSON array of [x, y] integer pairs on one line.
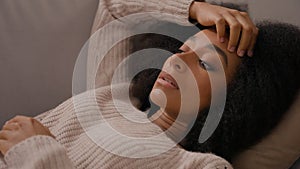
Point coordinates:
[[162, 119], [175, 129]]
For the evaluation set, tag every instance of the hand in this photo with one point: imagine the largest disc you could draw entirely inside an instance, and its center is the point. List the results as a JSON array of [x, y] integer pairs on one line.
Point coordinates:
[[238, 22], [18, 129]]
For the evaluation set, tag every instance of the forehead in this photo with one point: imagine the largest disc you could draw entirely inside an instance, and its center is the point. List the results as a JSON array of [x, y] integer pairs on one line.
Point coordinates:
[[208, 37], [203, 38]]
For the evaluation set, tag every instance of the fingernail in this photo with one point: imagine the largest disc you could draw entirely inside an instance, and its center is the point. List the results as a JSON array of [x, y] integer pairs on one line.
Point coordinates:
[[232, 49], [241, 53], [222, 39], [250, 53]]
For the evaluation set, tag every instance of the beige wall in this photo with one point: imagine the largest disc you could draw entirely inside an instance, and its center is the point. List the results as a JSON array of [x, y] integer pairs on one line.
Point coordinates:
[[39, 43], [281, 10]]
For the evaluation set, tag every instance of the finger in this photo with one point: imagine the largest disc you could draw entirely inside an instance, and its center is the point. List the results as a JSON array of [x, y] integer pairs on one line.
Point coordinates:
[[21, 120], [247, 30], [15, 119], [221, 27], [254, 33], [253, 41], [235, 29], [4, 146], [3, 134], [41, 129], [11, 126]]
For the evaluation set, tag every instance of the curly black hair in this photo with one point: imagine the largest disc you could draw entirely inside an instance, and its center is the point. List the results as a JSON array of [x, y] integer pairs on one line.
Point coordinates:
[[260, 93]]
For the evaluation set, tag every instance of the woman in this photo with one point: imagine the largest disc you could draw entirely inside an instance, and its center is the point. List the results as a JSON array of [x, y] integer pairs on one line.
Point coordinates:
[[252, 107], [260, 90], [17, 133]]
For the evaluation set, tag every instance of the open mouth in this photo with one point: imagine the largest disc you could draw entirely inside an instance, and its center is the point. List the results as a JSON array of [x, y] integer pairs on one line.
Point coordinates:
[[167, 80]]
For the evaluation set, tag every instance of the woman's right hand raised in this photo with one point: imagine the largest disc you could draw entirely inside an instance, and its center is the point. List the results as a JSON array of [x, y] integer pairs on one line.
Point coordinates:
[[240, 24]]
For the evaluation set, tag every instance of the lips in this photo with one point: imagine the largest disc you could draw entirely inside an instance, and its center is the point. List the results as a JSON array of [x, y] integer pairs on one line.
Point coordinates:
[[167, 80]]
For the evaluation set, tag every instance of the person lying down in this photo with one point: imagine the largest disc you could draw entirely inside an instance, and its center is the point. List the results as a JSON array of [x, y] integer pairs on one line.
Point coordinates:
[[92, 130]]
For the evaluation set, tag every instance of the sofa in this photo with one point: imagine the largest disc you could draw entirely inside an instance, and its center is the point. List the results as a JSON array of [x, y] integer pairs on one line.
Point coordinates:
[[40, 41]]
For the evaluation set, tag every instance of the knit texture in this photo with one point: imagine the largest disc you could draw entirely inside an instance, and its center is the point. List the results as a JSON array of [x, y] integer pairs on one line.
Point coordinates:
[[74, 147], [108, 27], [72, 122]]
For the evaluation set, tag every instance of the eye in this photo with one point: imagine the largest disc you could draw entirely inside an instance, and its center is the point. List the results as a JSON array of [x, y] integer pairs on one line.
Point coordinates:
[[203, 64], [206, 62], [178, 51]]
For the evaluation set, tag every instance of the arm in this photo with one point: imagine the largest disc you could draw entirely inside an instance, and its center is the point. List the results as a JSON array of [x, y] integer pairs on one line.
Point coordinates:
[[243, 32], [2, 162], [38, 152], [26, 143], [109, 10], [177, 8], [204, 13]]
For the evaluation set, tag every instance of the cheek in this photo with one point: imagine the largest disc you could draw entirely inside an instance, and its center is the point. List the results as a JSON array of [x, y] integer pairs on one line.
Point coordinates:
[[173, 104], [204, 88]]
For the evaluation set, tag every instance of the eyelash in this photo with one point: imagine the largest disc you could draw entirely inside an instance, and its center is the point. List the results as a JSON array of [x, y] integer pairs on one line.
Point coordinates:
[[179, 51], [202, 64]]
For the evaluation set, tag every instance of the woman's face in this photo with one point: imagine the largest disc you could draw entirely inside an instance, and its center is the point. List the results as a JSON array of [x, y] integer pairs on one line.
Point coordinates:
[[199, 65]]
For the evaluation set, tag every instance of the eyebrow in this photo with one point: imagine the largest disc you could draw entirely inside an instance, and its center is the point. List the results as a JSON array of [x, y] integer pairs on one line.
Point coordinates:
[[213, 47], [219, 51]]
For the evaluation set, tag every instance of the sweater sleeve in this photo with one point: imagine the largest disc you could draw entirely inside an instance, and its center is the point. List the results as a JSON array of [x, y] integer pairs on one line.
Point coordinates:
[[2, 162], [109, 10], [38, 152], [177, 8], [41, 116], [205, 161]]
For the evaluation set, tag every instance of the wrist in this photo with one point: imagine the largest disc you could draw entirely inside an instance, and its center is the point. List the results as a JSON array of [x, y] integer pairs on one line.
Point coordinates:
[[195, 7]]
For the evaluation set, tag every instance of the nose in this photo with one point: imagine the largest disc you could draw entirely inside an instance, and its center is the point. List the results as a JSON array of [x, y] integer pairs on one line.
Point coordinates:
[[177, 63]]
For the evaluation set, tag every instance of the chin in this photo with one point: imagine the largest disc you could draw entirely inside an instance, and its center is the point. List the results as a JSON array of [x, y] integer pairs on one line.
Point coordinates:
[[158, 97]]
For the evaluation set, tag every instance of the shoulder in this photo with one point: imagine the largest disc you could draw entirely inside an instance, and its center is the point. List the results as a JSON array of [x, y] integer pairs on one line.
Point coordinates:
[[198, 160]]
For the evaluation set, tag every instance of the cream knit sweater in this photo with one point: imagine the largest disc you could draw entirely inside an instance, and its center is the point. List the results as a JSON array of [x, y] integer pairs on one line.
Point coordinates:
[[74, 147], [110, 10]]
